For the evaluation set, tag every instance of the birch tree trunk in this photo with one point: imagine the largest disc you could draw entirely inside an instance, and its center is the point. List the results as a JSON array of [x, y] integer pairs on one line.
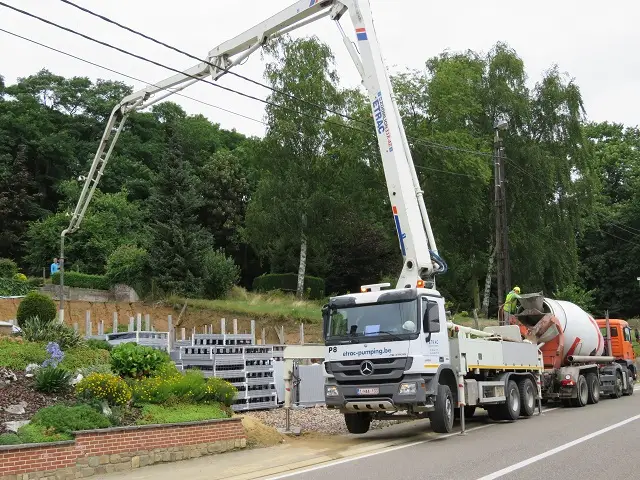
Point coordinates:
[[487, 281], [302, 266]]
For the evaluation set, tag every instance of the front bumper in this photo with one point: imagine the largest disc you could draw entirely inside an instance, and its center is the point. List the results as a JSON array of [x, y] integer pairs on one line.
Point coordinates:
[[387, 399]]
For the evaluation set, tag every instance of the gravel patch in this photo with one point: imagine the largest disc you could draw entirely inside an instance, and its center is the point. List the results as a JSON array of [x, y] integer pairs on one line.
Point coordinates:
[[313, 419]]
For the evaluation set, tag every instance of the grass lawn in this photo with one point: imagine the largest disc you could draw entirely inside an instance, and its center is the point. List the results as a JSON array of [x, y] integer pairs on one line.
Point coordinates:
[[276, 306], [152, 414]]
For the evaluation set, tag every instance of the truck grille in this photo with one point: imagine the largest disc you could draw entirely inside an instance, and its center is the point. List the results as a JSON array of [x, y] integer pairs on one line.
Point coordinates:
[[385, 370]]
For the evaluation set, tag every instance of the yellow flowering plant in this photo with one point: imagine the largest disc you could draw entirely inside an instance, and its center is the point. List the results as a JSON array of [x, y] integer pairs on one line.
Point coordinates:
[[104, 387]]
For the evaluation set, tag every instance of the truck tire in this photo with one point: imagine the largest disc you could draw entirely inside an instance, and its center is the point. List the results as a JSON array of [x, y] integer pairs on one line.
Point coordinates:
[[442, 417], [510, 409], [594, 388], [629, 391], [357, 423], [527, 397], [617, 388], [582, 393]]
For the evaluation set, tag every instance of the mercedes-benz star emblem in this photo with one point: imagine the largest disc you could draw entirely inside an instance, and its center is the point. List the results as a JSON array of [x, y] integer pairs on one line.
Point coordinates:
[[366, 368]]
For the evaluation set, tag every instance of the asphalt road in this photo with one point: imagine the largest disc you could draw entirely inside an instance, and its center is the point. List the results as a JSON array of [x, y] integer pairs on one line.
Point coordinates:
[[594, 442]]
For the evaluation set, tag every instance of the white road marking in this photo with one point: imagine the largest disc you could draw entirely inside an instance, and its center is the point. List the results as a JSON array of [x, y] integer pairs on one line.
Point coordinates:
[[553, 451]]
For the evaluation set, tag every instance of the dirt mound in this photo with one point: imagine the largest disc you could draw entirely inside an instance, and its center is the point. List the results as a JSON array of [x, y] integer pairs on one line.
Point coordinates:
[[259, 434]]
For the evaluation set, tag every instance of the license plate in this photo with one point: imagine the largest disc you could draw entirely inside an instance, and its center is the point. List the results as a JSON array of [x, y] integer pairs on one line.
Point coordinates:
[[368, 391]]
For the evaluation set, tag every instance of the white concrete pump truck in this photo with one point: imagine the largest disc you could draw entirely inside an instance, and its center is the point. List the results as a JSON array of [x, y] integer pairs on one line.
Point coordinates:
[[388, 351]]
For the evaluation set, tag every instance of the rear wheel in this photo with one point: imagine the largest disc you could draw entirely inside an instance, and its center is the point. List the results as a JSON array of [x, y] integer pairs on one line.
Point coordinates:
[[527, 397], [510, 409], [582, 397], [357, 423], [617, 388], [594, 388], [442, 417]]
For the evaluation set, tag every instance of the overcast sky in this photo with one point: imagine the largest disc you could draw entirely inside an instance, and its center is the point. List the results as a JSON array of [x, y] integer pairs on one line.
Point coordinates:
[[595, 42]]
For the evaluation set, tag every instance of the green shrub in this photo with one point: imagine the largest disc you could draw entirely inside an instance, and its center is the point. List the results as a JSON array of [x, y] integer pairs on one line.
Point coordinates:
[[99, 368], [104, 387], [220, 391], [52, 379], [152, 390], [129, 265], [82, 280], [65, 419], [191, 387], [83, 357], [10, 439], [10, 287], [288, 282], [36, 305], [8, 268], [99, 344], [220, 274], [137, 361], [16, 354], [35, 330], [158, 414], [35, 282], [35, 433]]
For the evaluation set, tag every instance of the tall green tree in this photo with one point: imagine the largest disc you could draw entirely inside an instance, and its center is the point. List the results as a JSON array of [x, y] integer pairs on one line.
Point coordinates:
[[18, 203], [293, 197], [178, 242]]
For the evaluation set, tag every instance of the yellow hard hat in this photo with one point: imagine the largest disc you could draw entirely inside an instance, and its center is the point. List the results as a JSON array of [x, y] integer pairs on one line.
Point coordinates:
[[516, 289]]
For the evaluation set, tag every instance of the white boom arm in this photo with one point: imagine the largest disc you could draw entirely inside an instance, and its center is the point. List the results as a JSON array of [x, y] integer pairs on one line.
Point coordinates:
[[417, 244]]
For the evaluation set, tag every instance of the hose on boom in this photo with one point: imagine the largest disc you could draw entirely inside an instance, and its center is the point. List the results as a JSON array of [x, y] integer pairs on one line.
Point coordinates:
[[440, 262]]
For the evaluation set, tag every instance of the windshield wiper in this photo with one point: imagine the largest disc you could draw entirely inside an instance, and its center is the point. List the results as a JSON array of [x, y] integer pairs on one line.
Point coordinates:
[[394, 335]]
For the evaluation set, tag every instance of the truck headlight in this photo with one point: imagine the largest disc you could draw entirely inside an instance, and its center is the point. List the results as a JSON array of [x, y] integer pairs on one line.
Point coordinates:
[[407, 389], [331, 391]]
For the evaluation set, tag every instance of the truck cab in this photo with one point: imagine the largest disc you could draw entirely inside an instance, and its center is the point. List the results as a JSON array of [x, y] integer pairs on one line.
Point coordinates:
[[383, 348], [621, 343]]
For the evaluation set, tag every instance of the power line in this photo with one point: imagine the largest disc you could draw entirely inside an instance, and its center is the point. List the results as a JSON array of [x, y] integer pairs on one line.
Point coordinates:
[[126, 75], [273, 89], [207, 62], [267, 102], [140, 57], [84, 60]]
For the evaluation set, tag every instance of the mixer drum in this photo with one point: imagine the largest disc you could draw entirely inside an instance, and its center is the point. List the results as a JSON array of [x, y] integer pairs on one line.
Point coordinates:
[[579, 330]]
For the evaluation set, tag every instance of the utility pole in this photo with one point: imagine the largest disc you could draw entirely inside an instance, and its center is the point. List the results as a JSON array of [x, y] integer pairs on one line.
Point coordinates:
[[503, 270]]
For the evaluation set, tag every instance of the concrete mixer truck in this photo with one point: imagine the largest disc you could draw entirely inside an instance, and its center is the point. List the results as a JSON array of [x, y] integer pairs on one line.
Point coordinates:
[[572, 345]]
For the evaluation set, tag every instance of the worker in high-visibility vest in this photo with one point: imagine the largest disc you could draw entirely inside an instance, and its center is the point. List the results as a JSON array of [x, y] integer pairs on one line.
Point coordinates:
[[511, 304]]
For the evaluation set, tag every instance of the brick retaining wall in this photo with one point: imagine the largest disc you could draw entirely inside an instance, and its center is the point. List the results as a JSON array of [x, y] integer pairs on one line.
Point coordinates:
[[97, 452]]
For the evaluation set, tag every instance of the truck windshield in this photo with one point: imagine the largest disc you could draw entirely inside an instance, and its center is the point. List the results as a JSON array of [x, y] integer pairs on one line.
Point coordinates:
[[380, 322]]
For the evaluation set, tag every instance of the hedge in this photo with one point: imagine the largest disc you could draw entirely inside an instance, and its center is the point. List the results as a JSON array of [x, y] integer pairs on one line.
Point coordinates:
[[82, 280], [288, 282], [10, 287]]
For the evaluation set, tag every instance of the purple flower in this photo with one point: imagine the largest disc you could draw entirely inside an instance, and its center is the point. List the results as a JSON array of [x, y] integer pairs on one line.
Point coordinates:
[[55, 355]]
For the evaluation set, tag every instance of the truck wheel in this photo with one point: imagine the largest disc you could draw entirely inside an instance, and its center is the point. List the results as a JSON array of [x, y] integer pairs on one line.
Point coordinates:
[[630, 383], [357, 423], [442, 417], [582, 394], [510, 409], [617, 388], [594, 388], [527, 397]]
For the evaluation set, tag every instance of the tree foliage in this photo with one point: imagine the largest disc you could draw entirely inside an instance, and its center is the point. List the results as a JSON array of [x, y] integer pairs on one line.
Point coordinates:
[[192, 208]]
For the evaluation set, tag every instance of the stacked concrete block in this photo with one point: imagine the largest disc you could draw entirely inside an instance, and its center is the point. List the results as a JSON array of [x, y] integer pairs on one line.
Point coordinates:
[[235, 358]]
